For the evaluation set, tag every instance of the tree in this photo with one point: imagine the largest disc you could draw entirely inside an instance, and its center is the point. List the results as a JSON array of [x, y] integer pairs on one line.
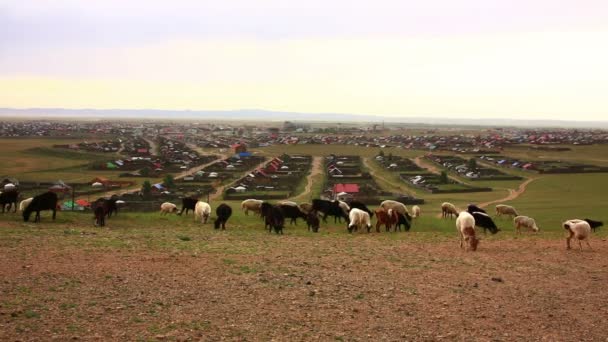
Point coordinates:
[[443, 178], [381, 153], [146, 171], [472, 164], [168, 181], [146, 188], [390, 157]]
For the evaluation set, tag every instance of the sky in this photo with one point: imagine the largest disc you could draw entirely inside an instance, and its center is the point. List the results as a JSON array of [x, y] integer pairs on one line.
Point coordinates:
[[516, 59]]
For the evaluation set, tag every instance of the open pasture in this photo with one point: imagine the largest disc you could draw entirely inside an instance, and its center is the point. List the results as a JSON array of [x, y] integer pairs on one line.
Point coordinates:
[[147, 277]]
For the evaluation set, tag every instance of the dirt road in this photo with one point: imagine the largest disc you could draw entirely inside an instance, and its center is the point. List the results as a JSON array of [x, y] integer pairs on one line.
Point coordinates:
[[317, 169], [153, 146], [513, 194], [220, 190], [401, 188]]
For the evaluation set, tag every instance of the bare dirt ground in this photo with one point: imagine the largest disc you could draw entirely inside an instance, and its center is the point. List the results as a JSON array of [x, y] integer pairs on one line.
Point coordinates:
[[358, 288]]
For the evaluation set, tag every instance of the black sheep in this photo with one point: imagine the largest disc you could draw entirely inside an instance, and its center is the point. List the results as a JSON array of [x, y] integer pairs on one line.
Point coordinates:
[[45, 201], [329, 208], [362, 206], [293, 213], [403, 220], [10, 198], [472, 208], [312, 220], [223, 212], [594, 224], [484, 221], [273, 218], [188, 204]]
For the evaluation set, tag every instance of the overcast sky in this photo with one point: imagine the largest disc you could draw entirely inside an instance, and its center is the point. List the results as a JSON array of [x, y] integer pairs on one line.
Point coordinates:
[[535, 59]]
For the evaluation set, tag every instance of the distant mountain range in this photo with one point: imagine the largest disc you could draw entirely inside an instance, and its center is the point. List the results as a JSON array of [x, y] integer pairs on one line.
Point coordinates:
[[266, 115]]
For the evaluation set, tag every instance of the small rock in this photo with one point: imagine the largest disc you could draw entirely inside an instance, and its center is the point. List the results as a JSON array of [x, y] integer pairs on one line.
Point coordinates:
[[497, 279]]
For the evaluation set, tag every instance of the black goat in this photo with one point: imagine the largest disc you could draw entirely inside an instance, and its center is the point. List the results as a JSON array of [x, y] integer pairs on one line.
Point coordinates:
[[329, 208], [293, 213], [403, 220], [472, 208], [45, 201], [312, 220], [484, 221], [188, 204], [594, 224], [10, 198], [362, 206], [223, 212], [273, 217]]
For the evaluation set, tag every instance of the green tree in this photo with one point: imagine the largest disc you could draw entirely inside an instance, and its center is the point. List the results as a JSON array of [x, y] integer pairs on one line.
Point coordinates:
[[146, 171], [381, 153], [443, 178], [146, 188], [472, 164], [169, 181]]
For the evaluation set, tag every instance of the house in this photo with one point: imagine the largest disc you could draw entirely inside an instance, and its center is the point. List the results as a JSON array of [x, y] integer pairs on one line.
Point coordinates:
[[350, 188], [239, 148]]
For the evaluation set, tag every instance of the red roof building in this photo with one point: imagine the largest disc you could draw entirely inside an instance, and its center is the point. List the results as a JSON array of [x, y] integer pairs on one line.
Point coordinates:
[[347, 188]]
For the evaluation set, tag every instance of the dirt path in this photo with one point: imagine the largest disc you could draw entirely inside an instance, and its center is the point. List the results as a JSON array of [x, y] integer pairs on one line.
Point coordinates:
[[220, 190], [317, 169], [513, 194], [374, 174], [153, 146]]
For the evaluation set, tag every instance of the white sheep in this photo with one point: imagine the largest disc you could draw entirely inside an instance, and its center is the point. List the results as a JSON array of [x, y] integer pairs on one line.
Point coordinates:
[[525, 222], [252, 205], [202, 211], [503, 209], [465, 224], [578, 229], [416, 211], [358, 218], [448, 208], [23, 204], [397, 206], [167, 208]]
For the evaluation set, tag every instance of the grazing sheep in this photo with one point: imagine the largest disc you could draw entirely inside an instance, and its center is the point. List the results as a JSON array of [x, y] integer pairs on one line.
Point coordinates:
[[252, 205], [9, 198], [578, 229], [167, 208], [405, 221], [594, 224], [23, 204], [485, 221], [357, 219], [329, 208], [416, 211], [471, 208], [223, 212], [188, 203], [292, 212], [202, 211], [397, 206], [45, 201], [503, 209], [526, 222], [273, 218], [362, 206], [465, 224], [312, 220], [386, 218], [448, 208]]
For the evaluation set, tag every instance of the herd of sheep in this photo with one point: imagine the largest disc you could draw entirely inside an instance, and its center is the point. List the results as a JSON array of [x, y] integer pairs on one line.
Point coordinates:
[[391, 214]]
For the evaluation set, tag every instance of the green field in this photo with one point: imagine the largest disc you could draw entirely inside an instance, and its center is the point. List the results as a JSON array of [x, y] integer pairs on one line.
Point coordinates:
[[151, 277]]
